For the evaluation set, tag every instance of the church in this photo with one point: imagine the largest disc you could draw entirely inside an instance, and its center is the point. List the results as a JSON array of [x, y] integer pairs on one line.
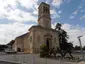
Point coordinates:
[[37, 35]]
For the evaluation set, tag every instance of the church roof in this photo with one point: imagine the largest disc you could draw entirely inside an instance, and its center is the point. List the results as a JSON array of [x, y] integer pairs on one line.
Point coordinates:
[[38, 26], [44, 4], [22, 35]]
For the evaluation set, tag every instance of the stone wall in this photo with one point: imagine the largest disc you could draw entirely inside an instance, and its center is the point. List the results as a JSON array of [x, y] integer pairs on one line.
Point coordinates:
[[39, 38]]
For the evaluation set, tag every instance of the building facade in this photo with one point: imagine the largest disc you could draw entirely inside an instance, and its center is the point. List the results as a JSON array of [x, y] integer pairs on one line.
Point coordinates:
[[39, 34]]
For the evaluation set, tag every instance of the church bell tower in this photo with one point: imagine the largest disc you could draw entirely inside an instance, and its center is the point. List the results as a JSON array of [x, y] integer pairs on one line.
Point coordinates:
[[44, 19]]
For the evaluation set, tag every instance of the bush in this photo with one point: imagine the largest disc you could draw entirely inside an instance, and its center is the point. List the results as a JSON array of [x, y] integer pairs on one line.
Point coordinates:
[[44, 52]]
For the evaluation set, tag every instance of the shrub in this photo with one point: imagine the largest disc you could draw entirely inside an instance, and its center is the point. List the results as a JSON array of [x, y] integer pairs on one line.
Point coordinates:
[[44, 52]]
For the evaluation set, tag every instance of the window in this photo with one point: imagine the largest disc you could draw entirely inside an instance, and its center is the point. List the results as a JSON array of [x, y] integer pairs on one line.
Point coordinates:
[[30, 38], [45, 9]]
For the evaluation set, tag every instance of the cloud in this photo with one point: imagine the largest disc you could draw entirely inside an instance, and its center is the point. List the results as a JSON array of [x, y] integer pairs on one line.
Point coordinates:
[[35, 12], [74, 14], [82, 17], [20, 16], [57, 3], [54, 14], [72, 17], [52, 11], [60, 12], [9, 9], [73, 32], [9, 31], [28, 3]]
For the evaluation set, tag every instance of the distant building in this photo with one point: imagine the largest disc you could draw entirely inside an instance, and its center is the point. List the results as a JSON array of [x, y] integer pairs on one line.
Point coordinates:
[[39, 34]]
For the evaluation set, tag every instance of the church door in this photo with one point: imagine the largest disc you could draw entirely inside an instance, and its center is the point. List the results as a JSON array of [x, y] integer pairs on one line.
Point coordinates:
[[48, 40], [47, 43]]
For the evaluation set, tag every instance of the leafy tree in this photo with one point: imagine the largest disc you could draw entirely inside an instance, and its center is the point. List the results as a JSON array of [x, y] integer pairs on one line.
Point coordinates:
[[65, 47], [83, 47], [77, 47], [11, 43], [2, 47]]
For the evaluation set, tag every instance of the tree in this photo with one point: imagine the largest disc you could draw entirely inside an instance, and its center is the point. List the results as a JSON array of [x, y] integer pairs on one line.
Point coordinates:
[[83, 47], [77, 47], [11, 43], [65, 47], [2, 47]]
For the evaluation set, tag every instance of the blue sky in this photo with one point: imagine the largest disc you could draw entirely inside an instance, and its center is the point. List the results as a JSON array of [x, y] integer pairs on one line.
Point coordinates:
[[72, 12], [17, 16]]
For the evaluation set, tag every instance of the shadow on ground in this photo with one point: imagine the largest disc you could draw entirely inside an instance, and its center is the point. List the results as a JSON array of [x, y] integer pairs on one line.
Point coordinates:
[[3, 62]]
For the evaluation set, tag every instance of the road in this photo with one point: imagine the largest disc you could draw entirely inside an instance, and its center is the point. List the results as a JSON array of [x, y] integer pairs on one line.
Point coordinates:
[[30, 59]]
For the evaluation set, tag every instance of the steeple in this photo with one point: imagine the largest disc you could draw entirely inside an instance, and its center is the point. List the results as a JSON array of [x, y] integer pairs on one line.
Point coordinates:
[[44, 19]]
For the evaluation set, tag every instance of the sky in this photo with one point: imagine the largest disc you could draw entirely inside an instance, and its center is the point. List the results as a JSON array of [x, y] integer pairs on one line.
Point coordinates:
[[17, 16]]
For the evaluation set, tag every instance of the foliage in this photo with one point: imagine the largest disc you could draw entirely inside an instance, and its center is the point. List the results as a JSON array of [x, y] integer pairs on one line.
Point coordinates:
[[44, 52], [65, 46], [83, 47], [2, 47], [58, 26], [77, 47], [11, 42]]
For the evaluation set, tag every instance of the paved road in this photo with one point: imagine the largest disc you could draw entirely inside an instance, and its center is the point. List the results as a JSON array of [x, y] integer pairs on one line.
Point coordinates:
[[30, 59], [1, 62]]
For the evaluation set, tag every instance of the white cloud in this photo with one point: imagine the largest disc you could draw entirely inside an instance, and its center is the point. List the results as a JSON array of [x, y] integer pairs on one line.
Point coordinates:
[[21, 16], [54, 14], [57, 3], [35, 10], [10, 31], [74, 14], [9, 10], [28, 3], [60, 12], [74, 32]]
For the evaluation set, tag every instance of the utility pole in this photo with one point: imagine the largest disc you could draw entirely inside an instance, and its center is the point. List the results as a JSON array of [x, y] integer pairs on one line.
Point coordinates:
[[81, 47]]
